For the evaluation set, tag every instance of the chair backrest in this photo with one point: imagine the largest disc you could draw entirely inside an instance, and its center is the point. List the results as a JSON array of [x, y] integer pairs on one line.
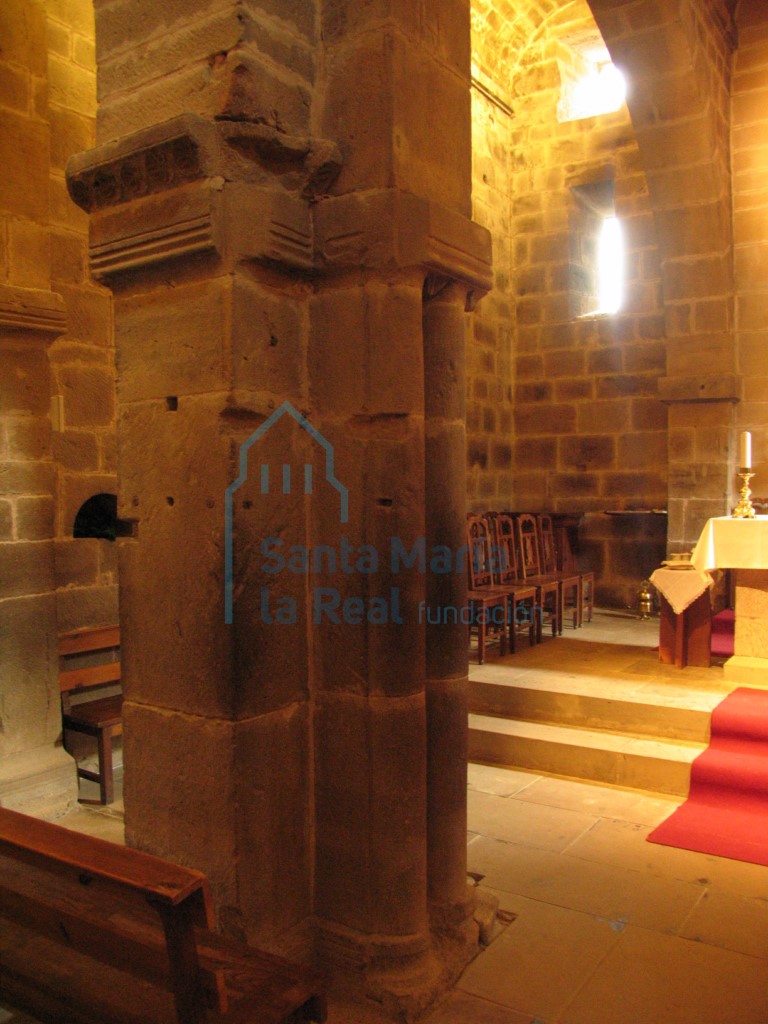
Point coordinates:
[[505, 563], [479, 563], [81, 648], [547, 545], [528, 545]]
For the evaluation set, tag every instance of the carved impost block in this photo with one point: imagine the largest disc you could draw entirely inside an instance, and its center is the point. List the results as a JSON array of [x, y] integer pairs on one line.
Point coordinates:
[[391, 230], [32, 313], [726, 387], [191, 186]]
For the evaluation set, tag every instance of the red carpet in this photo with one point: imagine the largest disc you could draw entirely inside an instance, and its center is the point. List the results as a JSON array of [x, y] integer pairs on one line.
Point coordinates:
[[722, 633], [726, 812]]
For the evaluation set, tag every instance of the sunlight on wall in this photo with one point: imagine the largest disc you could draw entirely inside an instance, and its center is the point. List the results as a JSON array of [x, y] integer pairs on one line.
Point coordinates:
[[610, 266]]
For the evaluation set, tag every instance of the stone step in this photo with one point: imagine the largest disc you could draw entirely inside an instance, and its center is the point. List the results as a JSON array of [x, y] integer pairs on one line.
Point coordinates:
[[667, 711], [659, 765]]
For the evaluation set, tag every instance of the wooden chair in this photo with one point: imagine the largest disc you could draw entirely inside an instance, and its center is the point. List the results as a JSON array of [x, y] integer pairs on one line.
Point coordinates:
[[546, 594], [488, 605], [522, 597], [530, 563], [570, 582], [102, 716], [566, 562]]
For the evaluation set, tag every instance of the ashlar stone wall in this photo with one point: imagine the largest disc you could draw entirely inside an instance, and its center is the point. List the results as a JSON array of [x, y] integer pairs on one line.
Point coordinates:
[[588, 432], [82, 360], [750, 218]]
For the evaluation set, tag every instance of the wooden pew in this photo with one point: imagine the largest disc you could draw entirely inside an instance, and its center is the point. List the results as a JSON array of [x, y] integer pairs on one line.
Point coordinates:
[[100, 716], [96, 933]]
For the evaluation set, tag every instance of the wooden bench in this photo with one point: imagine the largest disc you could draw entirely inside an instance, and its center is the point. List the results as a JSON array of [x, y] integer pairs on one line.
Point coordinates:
[[100, 717], [96, 933]]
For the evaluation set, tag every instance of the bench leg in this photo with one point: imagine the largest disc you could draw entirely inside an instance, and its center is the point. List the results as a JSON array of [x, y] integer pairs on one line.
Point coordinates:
[[106, 776]]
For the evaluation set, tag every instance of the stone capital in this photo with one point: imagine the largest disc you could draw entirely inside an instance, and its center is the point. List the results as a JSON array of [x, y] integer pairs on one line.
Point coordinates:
[[39, 314], [391, 230]]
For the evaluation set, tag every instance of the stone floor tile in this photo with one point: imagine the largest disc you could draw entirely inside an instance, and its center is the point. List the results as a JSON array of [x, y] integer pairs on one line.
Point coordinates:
[[539, 963], [610, 892], [487, 778], [109, 826], [730, 922], [648, 978], [602, 801], [612, 842], [461, 1008], [536, 825]]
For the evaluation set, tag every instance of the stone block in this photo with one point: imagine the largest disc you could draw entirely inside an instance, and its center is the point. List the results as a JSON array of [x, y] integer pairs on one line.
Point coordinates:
[[712, 316], [26, 478], [387, 317], [108, 456], [71, 132], [564, 364], [271, 773], [25, 381], [24, 182], [607, 360], [185, 819], [31, 705], [59, 38], [249, 88], [29, 439], [552, 419], [84, 51], [89, 311], [26, 568], [648, 357], [375, 838], [571, 485], [358, 118], [432, 156], [77, 561], [625, 386], [63, 212], [34, 518], [22, 29], [382, 464], [6, 520], [15, 88], [641, 450], [536, 453], [609, 415], [78, 607], [29, 254], [445, 386], [76, 450], [155, 333], [646, 489], [89, 396], [72, 86], [68, 258], [573, 390], [178, 499], [586, 452], [540, 391], [648, 414]]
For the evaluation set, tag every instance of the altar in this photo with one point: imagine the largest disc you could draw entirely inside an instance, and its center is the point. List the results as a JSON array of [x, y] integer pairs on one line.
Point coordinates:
[[741, 545]]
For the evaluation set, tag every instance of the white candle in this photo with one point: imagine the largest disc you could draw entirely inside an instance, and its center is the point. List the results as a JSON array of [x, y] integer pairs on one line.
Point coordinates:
[[745, 450]]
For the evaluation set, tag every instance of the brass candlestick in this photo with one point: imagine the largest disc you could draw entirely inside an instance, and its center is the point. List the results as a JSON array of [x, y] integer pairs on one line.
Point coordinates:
[[744, 510]]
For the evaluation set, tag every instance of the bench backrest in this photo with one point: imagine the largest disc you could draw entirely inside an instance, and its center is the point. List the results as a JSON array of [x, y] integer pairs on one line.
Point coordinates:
[[71, 894], [98, 640]]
